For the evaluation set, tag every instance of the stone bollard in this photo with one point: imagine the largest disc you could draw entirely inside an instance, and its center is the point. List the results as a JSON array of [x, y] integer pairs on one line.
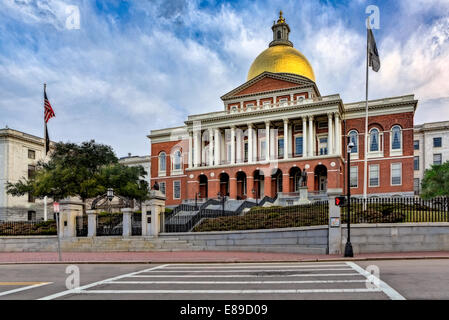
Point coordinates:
[[126, 224], [334, 240], [68, 211], [92, 223]]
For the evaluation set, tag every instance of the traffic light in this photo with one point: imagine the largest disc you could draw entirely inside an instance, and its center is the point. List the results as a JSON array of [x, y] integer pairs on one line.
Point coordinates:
[[340, 201]]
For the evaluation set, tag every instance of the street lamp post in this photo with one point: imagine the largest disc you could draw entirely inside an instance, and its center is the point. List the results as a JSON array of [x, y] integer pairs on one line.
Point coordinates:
[[110, 196], [348, 247]]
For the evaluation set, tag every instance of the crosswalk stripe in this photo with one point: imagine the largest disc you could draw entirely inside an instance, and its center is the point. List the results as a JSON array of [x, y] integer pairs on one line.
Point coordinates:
[[40, 284], [236, 282], [249, 270], [268, 291], [256, 267], [245, 276]]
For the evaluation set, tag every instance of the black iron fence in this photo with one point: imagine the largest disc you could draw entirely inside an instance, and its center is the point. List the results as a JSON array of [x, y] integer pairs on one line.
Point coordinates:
[[27, 228], [110, 224], [396, 210], [267, 218], [136, 224], [81, 226]]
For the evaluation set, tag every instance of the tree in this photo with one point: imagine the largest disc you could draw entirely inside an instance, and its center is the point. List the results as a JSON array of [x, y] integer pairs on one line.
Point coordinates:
[[436, 181], [83, 171]]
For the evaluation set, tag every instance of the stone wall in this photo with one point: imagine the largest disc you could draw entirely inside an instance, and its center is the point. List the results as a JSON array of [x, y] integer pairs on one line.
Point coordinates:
[[295, 240], [398, 237]]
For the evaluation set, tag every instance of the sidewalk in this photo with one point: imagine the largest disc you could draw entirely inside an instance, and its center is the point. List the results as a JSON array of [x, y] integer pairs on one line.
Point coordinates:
[[199, 256]]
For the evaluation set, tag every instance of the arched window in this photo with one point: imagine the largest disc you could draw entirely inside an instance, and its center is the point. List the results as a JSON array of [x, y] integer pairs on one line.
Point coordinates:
[[177, 157], [162, 162], [374, 140], [396, 138], [279, 34], [354, 136]]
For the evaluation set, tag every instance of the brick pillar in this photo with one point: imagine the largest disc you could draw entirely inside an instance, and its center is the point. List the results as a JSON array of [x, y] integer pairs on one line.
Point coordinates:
[[233, 188], [267, 186], [286, 182], [310, 181], [214, 187], [249, 187], [333, 179], [192, 188]]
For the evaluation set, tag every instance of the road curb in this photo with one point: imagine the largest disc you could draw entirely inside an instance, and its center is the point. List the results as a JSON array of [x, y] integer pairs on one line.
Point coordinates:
[[231, 261]]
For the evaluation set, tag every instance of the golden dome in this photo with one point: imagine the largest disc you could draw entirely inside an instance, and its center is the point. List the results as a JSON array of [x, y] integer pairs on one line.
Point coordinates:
[[281, 59]]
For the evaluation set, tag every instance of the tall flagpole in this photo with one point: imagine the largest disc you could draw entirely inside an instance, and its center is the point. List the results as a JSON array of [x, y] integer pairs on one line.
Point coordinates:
[[365, 169], [45, 150]]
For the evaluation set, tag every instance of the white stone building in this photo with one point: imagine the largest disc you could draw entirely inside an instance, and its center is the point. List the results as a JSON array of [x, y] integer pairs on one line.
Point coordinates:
[[144, 161], [19, 154], [431, 146]]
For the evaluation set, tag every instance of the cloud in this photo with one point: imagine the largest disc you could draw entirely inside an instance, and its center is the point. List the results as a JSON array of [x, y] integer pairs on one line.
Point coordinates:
[[149, 64]]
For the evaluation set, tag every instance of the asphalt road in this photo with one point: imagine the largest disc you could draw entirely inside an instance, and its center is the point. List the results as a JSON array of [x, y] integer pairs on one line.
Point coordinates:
[[369, 280]]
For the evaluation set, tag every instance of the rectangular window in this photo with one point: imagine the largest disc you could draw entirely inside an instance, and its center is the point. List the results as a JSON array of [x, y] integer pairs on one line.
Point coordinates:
[[416, 186], [354, 177], [246, 150], [176, 189], [31, 154], [262, 150], [323, 125], [415, 163], [31, 215], [323, 146], [281, 147], [374, 175], [437, 142], [396, 174], [437, 158], [416, 145], [298, 146], [283, 101], [162, 187]]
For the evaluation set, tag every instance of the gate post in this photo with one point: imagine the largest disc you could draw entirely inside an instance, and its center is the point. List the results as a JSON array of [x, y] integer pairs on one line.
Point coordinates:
[[68, 212], [334, 234], [157, 207], [126, 224], [91, 223]]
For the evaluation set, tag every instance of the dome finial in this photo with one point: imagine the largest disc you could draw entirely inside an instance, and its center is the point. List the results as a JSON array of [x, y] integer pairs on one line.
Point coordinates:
[[281, 18]]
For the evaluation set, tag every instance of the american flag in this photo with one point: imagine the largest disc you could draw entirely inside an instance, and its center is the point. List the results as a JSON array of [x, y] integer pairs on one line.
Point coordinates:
[[48, 113]]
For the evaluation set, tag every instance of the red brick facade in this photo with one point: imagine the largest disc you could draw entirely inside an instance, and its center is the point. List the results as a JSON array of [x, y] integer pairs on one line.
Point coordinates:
[[266, 84]]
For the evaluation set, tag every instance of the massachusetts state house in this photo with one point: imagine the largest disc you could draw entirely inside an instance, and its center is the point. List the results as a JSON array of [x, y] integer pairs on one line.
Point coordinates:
[[277, 132]]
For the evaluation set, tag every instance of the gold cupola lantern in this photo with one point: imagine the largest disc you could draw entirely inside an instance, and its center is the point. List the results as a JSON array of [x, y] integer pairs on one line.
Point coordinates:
[[281, 57]]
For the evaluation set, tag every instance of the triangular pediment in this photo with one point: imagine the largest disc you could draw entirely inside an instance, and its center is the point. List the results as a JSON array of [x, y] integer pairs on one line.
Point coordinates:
[[268, 81]]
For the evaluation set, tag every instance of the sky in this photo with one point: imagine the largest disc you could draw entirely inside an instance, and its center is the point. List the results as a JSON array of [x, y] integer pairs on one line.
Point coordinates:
[[132, 66]]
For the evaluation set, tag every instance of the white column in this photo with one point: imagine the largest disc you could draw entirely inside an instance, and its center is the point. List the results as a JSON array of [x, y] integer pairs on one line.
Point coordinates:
[[190, 149], [311, 136], [286, 139], [255, 143], [217, 147], [239, 139], [337, 134], [232, 144], [203, 150], [267, 140], [197, 146], [250, 143], [330, 136], [211, 147], [273, 142], [223, 146], [304, 137]]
